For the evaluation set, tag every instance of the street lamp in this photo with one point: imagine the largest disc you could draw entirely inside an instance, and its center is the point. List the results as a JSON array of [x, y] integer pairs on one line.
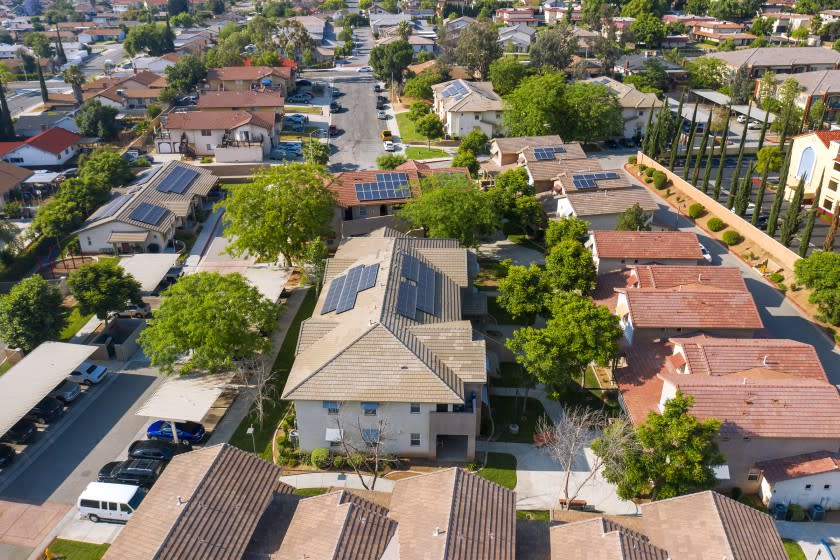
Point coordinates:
[[250, 432]]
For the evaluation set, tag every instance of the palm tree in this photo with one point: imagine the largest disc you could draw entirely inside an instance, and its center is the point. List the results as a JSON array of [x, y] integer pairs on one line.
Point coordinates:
[[7, 128], [404, 30], [75, 78]]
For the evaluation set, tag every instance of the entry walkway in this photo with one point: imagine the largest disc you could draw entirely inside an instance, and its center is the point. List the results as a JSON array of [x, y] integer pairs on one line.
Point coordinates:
[[335, 480]]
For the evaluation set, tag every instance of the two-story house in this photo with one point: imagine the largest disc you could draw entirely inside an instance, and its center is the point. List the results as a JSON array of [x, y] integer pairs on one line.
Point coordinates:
[[233, 137], [819, 85], [780, 60], [636, 106], [815, 157], [466, 106], [388, 357], [279, 79]]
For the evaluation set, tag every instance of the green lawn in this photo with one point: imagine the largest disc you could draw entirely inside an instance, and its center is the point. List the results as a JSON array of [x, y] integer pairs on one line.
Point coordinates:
[[77, 550], [308, 109], [501, 469], [794, 551], [286, 136], [5, 366], [277, 408], [414, 152], [489, 274], [75, 321], [407, 131], [507, 410], [308, 492], [534, 515]]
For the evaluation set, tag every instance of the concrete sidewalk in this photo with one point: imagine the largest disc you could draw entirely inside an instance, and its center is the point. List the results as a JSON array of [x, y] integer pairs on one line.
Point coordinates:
[[337, 480], [808, 535]]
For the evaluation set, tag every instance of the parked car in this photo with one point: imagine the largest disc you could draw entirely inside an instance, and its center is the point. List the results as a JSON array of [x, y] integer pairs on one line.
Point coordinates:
[[294, 147], [157, 450], [705, 252], [279, 154], [386, 135], [333, 130], [298, 98], [192, 432], [376, 88], [388, 146], [135, 311], [302, 83], [7, 455], [335, 107], [112, 502], [72, 172], [66, 391], [298, 118], [610, 144], [47, 410], [139, 472], [88, 374], [364, 69], [381, 115], [336, 92], [754, 125], [22, 432], [741, 119], [380, 105], [296, 127]]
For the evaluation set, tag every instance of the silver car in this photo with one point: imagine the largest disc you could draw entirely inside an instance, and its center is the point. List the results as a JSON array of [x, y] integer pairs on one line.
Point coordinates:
[[66, 392]]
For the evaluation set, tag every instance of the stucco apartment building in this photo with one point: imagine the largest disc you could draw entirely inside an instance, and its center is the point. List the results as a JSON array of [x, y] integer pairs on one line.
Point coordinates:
[[636, 106], [388, 356], [233, 137], [466, 106], [816, 158], [780, 60]]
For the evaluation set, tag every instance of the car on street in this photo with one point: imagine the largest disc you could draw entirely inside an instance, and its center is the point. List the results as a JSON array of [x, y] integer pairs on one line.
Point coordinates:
[[88, 374], [742, 119], [7, 455], [376, 88], [386, 135], [157, 449], [192, 432], [139, 472], [298, 99], [762, 221], [335, 107], [303, 83], [364, 69], [381, 115], [135, 311], [336, 92], [380, 105], [707, 256], [388, 146], [22, 432], [754, 125], [333, 130], [47, 410], [297, 118], [66, 392]]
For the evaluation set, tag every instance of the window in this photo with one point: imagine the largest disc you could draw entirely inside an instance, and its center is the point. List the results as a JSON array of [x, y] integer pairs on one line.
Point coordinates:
[[90, 504], [369, 408], [442, 408], [415, 440], [332, 407], [16, 160], [415, 408], [124, 508], [206, 132], [827, 487], [89, 241], [362, 211], [477, 116], [370, 436], [807, 487], [209, 146], [753, 475], [112, 506], [335, 443]]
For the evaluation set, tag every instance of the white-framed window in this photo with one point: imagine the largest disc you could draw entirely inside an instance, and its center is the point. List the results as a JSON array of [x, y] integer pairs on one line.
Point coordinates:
[[369, 408], [415, 440], [332, 407], [753, 474], [807, 487], [415, 408], [206, 132]]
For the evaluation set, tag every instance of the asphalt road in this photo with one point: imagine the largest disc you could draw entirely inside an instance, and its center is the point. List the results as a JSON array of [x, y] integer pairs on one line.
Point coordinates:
[[101, 433], [95, 65], [358, 144]]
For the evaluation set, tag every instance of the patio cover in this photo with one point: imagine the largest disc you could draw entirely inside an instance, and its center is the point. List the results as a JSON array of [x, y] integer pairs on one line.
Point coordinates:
[[149, 268], [41, 176], [186, 398], [128, 237], [756, 114], [713, 96], [31, 379]]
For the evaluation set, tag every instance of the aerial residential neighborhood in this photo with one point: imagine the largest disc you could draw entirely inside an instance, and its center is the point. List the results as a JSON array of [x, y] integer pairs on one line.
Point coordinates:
[[428, 279]]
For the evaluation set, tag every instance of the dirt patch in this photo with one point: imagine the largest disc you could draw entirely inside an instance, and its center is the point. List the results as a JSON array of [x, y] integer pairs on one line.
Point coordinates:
[[23, 524]]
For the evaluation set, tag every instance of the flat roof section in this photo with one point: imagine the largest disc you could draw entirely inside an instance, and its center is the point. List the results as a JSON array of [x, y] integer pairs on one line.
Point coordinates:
[[186, 398], [149, 268], [38, 373]]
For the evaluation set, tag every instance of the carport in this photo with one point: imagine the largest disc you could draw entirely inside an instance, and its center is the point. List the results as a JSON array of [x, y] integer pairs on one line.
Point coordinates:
[[149, 268], [38, 373], [723, 100], [193, 397]]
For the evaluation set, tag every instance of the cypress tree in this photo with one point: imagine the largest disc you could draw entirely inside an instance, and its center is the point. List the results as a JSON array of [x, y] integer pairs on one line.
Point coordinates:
[[809, 223], [733, 185], [763, 130], [780, 195], [689, 147], [719, 177], [759, 197], [702, 153], [742, 199], [45, 95], [793, 216], [648, 133], [828, 244], [7, 127], [59, 51], [675, 142], [707, 173]]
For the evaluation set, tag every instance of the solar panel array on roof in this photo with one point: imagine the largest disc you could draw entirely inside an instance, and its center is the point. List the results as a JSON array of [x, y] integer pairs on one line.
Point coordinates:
[[426, 290], [347, 299], [178, 180], [111, 208], [456, 90], [148, 213], [588, 180], [369, 277], [332, 296], [407, 300], [547, 153], [343, 290], [410, 267], [387, 186]]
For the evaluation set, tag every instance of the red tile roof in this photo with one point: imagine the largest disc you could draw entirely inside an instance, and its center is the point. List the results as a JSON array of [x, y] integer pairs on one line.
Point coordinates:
[[228, 73], [239, 99], [692, 309], [214, 120], [6, 147], [638, 382], [54, 140], [647, 245], [665, 277], [828, 136], [798, 466]]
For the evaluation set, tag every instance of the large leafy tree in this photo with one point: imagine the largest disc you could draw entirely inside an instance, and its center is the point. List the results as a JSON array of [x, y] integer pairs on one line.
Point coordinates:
[[707, 72], [280, 212], [430, 126], [183, 76], [675, 455], [554, 47], [390, 61], [571, 227], [570, 268], [523, 291], [75, 78], [30, 314], [478, 47], [450, 206], [648, 29], [210, 318], [97, 120], [639, 8], [315, 151], [536, 106], [103, 287], [106, 167], [592, 113], [506, 73], [634, 219], [154, 38], [820, 272], [57, 218]]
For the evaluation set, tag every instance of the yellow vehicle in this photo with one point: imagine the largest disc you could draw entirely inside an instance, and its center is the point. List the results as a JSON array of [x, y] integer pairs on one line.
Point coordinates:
[[386, 135]]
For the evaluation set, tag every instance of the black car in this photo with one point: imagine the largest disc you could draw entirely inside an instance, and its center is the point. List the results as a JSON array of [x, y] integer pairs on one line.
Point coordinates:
[[380, 105], [610, 144], [46, 411], [140, 472], [22, 432], [158, 450], [7, 455], [335, 107], [303, 83]]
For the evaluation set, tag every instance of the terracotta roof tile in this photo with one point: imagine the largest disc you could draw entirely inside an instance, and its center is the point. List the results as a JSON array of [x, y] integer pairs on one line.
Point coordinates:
[[638, 381], [214, 120], [798, 466], [650, 307], [601, 539], [666, 277], [239, 99], [647, 245], [228, 73], [828, 136]]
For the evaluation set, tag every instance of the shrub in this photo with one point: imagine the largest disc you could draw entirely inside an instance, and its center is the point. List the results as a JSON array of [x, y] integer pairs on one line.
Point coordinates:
[[140, 162], [355, 460], [12, 209], [642, 167], [207, 159], [796, 512], [731, 237], [339, 461], [776, 278], [716, 224], [631, 160], [650, 171], [696, 210], [660, 180], [648, 180], [320, 458]]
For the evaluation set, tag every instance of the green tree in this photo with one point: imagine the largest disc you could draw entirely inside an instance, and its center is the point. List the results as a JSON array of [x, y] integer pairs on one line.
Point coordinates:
[[211, 319], [175, 7], [775, 209], [420, 86], [811, 218], [820, 273], [30, 314], [474, 141], [741, 86], [279, 213], [418, 110], [707, 72], [639, 8], [390, 161], [592, 113], [57, 218], [724, 138], [184, 75], [451, 207], [554, 47], [648, 29], [734, 9], [790, 114], [570, 268], [506, 73], [478, 47], [105, 168], [742, 197], [536, 107], [522, 292], [103, 287], [733, 186], [466, 159], [390, 61], [793, 216], [75, 78], [652, 77], [315, 151], [816, 114], [154, 38], [634, 219], [562, 229], [97, 120], [675, 456], [762, 26], [702, 153], [7, 128], [41, 48], [430, 126], [675, 141], [689, 145]]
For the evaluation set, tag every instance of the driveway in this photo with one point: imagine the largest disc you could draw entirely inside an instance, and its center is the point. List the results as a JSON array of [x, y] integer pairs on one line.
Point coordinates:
[[809, 535]]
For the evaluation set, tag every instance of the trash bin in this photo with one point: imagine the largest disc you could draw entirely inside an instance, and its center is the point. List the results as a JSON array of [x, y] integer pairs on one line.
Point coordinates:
[[780, 512], [816, 513]]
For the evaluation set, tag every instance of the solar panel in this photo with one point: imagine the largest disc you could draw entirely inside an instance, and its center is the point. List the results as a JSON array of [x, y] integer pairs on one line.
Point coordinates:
[[411, 267], [148, 213], [589, 180], [387, 186], [332, 296], [178, 180], [347, 299], [368, 277], [407, 300], [111, 208], [426, 290], [547, 152]]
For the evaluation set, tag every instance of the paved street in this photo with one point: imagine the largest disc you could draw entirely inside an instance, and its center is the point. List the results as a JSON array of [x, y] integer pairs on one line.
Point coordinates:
[[358, 143], [95, 64]]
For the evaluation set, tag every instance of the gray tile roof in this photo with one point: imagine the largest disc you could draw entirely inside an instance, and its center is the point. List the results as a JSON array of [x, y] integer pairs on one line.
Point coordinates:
[[479, 97], [601, 539], [778, 56], [610, 201]]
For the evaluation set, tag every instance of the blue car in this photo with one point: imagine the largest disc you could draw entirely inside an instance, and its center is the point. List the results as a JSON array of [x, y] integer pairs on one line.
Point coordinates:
[[192, 432]]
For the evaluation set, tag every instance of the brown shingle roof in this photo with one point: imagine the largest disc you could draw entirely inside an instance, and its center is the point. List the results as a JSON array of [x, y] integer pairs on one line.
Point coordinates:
[[706, 309], [515, 144], [798, 466], [228, 73], [454, 515], [649, 245], [601, 539], [664, 277], [214, 120], [573, 160], [239, 99], [206, 504], [11, 176], [610, 201]]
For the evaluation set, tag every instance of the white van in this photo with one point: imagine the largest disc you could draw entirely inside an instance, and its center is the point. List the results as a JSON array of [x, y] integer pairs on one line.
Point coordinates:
[[113, 502]]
